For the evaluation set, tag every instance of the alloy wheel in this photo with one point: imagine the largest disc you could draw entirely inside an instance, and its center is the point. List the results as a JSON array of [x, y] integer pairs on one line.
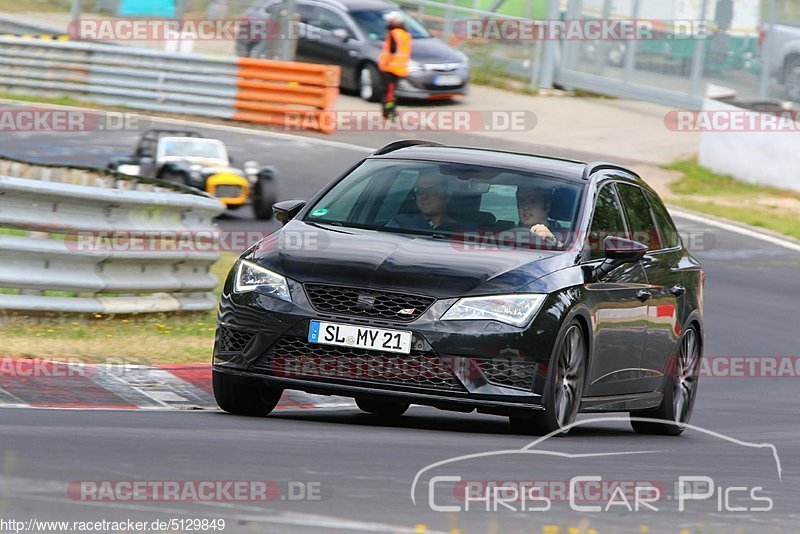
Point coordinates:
[[569, 375], [365, 84], [685, 379]]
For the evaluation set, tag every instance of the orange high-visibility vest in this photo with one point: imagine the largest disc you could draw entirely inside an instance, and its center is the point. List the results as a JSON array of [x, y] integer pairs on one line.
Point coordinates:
[[396, 52]]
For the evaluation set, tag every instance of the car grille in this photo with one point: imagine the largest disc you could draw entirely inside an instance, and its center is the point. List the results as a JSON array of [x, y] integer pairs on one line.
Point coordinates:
[[507, 373], [367, 303], [228, 191], [233, 340], [296, 358], [443, 88]]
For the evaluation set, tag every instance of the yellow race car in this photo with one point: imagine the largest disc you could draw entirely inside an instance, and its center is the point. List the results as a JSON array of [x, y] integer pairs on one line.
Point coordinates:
[[187, 157]]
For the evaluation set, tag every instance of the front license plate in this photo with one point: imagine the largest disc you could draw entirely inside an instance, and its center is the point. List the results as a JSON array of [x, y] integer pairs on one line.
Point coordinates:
[[447, 79], [361, 337]]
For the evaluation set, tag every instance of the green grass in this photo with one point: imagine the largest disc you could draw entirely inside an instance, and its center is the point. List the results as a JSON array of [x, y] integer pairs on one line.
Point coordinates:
[[702, 190], [512, 8], [41, 99], [62, 6], [150, 338]]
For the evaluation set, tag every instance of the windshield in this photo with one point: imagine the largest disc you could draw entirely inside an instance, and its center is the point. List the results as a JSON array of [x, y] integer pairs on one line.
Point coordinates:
[[482, 205], [194, 148], [374, 26]]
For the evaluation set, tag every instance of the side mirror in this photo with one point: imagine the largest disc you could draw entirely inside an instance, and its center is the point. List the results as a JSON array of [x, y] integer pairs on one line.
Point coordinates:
[[618, 251], [287, 210], [623, 250], [341, 33]]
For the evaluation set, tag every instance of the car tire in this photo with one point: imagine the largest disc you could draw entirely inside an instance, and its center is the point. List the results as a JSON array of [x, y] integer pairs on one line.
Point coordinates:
[[792, 79], [566, 378], [263, 197], [381, 407], [680, 391], [244, 397], [369, 83], [173, 177]]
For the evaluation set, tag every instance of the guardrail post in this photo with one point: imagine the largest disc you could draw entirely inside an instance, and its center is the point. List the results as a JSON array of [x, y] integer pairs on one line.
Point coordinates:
[[550, 49], [631, 45], [76, 9], [448, 21], [698, 62], [768, 51]]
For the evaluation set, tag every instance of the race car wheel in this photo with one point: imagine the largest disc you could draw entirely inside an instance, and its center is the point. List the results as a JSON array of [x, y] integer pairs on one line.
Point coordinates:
[[175, 177], [264, 197], [241, 397]]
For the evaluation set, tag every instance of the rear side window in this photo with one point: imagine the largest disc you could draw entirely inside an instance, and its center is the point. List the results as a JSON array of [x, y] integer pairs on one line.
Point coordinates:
[[606, 221], [669, 234], [330, 20], [640, 219]]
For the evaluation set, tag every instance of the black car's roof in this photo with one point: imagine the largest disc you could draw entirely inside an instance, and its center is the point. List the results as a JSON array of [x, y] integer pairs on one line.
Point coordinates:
[[560, 168]]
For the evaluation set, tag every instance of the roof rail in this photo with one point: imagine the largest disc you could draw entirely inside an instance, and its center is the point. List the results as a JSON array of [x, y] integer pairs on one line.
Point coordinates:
[[595, 166], [405, 143]]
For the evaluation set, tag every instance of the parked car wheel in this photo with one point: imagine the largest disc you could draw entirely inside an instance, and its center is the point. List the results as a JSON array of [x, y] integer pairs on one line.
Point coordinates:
[[382, 408], [241, 397], [680, 391], [565, 382], [369, 83], [793, 79]]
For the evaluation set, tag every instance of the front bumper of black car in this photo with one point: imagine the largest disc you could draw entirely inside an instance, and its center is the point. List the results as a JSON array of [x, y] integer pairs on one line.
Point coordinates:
[[457, 365]]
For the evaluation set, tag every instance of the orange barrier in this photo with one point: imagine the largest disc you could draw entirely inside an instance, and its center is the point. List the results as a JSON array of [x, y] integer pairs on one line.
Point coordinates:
[[268, 90]]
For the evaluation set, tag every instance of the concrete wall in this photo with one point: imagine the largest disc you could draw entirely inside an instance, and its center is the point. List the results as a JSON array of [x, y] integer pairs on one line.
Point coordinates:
[[761, 157]]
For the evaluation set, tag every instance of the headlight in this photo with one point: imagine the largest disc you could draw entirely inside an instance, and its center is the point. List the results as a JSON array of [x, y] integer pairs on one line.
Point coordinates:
[[515, 310], [250, 276], [414, 66], [195, 172]]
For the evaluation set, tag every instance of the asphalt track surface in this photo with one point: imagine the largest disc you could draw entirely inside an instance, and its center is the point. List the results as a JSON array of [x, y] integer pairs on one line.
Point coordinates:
[[365, 466]]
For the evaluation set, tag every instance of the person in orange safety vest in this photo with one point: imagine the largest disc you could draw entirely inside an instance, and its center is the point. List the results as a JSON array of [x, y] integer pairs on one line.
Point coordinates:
[[394, 58]]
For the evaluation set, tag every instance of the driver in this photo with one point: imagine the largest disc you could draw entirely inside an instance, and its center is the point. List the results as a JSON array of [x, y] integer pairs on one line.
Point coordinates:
[[533, 204]]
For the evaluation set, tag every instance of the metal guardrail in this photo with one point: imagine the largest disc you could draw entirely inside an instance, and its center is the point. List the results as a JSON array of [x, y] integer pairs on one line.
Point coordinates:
[[61, 250], [16, 26], [246, 89]]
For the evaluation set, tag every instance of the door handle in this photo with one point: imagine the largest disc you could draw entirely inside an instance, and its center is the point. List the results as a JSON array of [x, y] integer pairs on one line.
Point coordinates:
[[643, 295], [677, 290]]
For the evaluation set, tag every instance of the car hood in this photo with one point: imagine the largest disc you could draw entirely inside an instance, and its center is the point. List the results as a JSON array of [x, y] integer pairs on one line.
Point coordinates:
[[433, 50], [428, 50], [399, 262]]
